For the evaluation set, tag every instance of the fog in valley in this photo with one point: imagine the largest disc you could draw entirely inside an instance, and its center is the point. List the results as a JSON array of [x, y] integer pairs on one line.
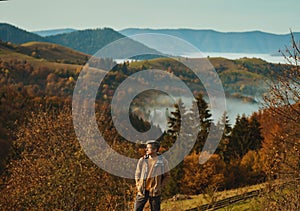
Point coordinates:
[[161, 107]]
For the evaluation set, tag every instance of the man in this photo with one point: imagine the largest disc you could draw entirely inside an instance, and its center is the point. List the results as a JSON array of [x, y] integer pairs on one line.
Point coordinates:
[[150, 176]]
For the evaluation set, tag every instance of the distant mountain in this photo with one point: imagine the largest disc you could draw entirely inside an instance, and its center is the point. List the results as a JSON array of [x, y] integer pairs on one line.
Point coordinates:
[[91, 40], [87, 41], [10, 33], [230, 42], [44, 33]]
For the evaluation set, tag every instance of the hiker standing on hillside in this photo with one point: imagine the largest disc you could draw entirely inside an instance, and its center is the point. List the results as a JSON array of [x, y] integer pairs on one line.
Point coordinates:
[[150, 176]]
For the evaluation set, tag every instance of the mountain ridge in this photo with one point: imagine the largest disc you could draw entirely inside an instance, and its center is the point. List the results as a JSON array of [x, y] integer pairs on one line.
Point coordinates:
[[16, 35], [89, 41], [208, 40]]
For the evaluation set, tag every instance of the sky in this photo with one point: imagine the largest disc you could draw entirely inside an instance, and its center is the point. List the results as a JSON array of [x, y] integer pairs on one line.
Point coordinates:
[[274, 16]]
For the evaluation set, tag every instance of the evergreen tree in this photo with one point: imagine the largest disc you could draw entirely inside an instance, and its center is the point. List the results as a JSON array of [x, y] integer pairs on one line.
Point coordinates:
[[124, 68], [174, 122], [256, 135], [224, 125], [245, 136], [238, 139], [204, 124]]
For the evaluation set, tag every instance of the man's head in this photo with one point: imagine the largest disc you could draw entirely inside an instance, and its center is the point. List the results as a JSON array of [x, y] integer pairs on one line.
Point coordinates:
[[152, 147]]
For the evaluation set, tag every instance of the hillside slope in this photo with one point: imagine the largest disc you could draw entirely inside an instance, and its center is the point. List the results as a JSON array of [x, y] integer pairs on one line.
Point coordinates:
[[53, 52], [43, 50], [92, 40], [86, 41], [10, 33], [242, 78]]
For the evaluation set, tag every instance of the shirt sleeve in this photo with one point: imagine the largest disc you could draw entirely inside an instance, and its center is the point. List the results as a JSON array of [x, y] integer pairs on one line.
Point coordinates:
[[138, 171]]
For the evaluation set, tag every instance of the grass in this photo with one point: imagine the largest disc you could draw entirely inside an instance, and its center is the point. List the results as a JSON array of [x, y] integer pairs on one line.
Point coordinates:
[[40, 52], [8, 55], [198, 200], [195, 201], [247, 205]]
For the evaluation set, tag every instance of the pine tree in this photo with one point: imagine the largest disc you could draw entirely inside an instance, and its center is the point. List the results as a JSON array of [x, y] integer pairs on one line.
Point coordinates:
[[124, 68], [223, 125], [238, 142], [256, 135], [173, 133], [245, 136], [204, 122], [174, 121]]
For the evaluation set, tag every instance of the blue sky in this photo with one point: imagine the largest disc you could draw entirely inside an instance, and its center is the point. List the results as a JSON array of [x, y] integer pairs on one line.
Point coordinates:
[[275, 16]]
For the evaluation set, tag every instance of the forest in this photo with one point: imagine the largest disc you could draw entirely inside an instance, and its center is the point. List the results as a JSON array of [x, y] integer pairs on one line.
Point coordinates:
[[43, 166]]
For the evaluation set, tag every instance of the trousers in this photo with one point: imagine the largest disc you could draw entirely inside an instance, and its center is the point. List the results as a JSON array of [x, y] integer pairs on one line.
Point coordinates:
[[141, 200]]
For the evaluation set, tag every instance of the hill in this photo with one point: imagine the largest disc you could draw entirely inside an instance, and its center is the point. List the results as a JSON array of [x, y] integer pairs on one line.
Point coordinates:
[[230, 42], [242, 78], [91, 40], [46, 51], [87, 41], [10, 33], [53, 52]]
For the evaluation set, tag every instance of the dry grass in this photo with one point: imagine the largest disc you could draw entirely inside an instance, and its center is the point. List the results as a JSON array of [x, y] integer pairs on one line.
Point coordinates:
[[198, 200]]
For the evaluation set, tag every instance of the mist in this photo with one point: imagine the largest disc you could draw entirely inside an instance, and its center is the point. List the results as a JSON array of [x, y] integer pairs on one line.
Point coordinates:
[[157, 113]]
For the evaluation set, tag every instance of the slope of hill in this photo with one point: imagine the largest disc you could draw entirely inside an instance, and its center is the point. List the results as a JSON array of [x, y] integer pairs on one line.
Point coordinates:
[[86, 41], [10, 33], [42, 55], [43, 50], [91, 40], [242, 78], [214, 41], [53, 52]]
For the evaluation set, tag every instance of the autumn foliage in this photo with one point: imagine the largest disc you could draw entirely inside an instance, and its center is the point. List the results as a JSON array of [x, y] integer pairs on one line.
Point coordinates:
[[42, 165]]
